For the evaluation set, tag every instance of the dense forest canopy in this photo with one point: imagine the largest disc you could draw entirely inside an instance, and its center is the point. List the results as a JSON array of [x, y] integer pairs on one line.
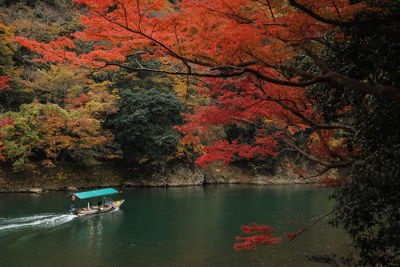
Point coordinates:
[[255, 79]]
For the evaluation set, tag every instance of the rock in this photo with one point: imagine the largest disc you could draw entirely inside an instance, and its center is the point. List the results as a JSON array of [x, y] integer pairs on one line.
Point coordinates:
[[35, 190], [177, 175], [182, 176], [130, 183], [72, 188]]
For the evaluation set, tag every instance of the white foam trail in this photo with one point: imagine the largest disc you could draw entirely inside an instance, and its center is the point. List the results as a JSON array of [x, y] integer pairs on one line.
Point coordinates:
[[40, 221], [24, 219]]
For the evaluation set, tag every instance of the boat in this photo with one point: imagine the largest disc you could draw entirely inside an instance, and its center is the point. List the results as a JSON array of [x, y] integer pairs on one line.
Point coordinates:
[[105, 205]]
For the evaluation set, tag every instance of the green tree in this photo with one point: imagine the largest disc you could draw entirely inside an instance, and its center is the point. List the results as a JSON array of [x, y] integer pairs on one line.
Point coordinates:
[[144, 124], [368, 205]]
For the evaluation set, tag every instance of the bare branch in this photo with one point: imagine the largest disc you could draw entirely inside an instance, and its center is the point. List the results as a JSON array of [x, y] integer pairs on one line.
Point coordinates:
[[311, 224], [125, 14], [169, 62], [337, 9], [270, 10], [324, 170]]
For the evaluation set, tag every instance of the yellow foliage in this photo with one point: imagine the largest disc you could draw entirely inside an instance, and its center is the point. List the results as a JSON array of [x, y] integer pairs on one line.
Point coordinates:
[[314, 137], [335, 142], [190, 149], [186, 91], [143, 160], [7, 48]]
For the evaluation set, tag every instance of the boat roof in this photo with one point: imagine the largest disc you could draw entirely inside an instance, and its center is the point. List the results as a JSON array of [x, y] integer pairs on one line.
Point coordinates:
[[96, 193]]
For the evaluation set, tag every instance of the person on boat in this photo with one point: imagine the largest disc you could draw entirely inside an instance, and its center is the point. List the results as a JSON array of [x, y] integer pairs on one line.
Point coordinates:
[[73, 209]]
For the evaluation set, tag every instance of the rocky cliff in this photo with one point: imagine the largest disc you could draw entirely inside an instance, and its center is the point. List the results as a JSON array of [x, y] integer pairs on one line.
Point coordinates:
[[68, 177]]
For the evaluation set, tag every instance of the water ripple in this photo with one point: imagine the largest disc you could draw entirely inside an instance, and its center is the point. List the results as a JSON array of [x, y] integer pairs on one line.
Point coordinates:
[[35, 221]]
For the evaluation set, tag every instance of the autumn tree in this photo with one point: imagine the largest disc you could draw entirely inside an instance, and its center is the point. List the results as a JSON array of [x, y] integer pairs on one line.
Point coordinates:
[[7, 69], [4, 121], [278, 65], [49, 133], [56, 84], [7, 48], [41, 20]]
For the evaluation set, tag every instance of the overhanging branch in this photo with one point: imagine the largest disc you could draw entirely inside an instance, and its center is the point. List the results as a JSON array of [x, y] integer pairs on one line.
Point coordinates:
[[374, 21]]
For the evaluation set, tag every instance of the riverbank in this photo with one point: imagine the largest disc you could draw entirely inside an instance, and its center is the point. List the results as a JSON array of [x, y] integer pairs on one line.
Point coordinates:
[[66, 177]]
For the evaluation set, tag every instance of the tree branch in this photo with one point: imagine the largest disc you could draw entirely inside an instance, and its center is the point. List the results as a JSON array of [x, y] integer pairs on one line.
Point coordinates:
[[208, 75], [314, 15], [170, 51], [330, 164], [311, 78], [309, 121], [311, 225]]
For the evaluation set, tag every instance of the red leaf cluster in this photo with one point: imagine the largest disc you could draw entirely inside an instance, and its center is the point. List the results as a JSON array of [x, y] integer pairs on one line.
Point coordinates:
[[290, 236], [251, 242], [78, 101], [5, 121], [3, 83]]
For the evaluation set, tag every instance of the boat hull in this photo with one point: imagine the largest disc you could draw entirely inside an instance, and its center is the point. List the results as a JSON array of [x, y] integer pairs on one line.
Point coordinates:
[[98, 209]]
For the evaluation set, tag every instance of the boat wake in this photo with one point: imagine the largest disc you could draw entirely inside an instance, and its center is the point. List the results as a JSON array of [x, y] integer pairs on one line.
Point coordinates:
[[36, 221]]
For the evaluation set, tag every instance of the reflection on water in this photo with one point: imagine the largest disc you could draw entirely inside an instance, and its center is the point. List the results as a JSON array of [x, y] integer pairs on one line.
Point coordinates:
[[94, 229], [192, 226], [94, 236]]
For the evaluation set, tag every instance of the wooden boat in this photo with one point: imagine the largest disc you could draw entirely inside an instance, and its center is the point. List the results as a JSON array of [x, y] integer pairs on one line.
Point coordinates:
[[106, 205]]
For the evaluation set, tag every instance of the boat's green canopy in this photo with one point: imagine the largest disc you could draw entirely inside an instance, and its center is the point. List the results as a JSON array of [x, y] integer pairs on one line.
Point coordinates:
[[96, 193]]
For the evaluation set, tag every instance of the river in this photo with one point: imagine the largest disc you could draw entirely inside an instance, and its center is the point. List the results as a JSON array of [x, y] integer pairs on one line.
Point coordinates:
[[187, 226]]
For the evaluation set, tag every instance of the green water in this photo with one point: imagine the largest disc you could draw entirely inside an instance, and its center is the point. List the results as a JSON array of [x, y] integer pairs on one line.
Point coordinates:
[[190, 226]]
